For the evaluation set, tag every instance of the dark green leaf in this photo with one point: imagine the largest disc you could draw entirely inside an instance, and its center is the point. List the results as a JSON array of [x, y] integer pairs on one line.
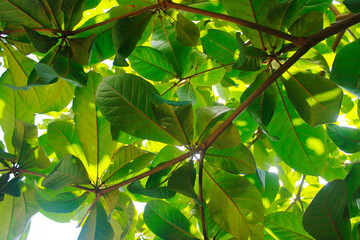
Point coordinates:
[[263, 108], [220, 45], [42, 43], [314, 5], [12, 187], [151, 64], [253, 11], [307, 24], [25, 141], [20, 12], [182, 180], [285, 225], [124, 99], [69, 170], [126, 161], [234, 160], [353, 182], [346, 71], [327, 216], [81, 49], [352, 5], [62, 203], [243, 215], [177, 120], [186, 31], [300, 146], [159, 192], [167, 221], [73, 10], [347, 139], [97, 226], [316, 99], [164, 40], [127, 32]]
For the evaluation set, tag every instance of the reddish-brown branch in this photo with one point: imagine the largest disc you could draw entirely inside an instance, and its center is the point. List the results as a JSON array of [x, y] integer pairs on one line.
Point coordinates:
[[148, 173], [255, 26], [202, 213]]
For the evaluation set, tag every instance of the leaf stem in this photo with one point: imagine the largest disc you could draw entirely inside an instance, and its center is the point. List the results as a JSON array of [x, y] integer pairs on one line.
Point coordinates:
[[201, 168], [89, 210]]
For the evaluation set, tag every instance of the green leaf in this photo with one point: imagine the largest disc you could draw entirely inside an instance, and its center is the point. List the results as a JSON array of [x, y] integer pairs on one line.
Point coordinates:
[[64, 140], [81, 49], [37, 99], [345, 71], [207, 74], [42, 43], [327, 216], [285, 225], [230, 137], [159, 192], [12, 187], [25, 141], [234, 204], [11, 108], [151, 64], [73, 10], [250, 58], [124, 99], [13, 212], [352, 5], [167, 221], [126, 161], [20, 12], [300, 146], [312, 60], [307, 24], [53, 11], [253, 11], [97, 226], [164, 40], [182, 180], [316, 99], [186, 31], [347, 139], [353, 182], [237, 160], [177, 120], [65, 202], [263, 108], [127, 32], [123, 216], [92, 128], [220, 45], [314, 5], [206, 118], [69, 170]]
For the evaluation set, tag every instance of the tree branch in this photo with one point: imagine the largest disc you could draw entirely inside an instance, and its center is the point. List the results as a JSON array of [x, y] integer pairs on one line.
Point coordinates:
[[203, 221], [296, 40], [148, 173], [298, 195], [296, 56]]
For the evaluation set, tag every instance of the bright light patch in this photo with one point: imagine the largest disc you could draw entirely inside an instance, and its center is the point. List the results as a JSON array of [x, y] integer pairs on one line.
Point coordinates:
[[322, 181], [316, 145], [43, 228], [273, 170]]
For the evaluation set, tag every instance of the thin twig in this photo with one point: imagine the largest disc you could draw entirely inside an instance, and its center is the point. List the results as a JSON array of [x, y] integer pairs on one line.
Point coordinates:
[[298, 195], [89, 210], [337, 41], [203, 220]]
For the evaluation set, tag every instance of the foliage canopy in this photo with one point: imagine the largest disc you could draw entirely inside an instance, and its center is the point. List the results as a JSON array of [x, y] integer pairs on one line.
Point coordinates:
[[204, 100]]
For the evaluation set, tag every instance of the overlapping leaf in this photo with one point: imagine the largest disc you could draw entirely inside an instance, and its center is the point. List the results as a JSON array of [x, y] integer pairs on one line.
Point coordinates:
[[92, 128], [300, 146]]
